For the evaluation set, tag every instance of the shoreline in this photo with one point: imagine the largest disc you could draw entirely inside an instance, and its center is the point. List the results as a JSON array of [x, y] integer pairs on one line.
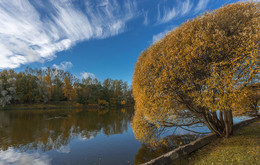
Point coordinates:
[[174, 155], [58, 105]]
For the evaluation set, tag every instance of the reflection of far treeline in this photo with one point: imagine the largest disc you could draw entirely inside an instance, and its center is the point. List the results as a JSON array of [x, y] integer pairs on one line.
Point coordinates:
[[53, 85], [53, 129]]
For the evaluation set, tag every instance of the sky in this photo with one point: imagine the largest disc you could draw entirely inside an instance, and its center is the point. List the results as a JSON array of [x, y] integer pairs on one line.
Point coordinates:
[[90, 38]]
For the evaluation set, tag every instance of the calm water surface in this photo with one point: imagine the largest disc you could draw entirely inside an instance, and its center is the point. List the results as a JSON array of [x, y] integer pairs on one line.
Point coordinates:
[[75, 137]]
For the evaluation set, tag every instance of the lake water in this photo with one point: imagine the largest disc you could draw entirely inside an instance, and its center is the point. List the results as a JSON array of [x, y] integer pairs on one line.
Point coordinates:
[[45, 137]]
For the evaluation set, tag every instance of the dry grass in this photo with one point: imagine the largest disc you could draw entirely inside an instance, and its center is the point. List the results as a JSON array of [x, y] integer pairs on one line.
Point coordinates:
[[242, 148]]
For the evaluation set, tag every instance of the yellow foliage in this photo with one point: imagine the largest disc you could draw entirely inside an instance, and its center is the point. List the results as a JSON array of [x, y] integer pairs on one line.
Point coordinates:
[[78, 105], [103, 103], [123, 102], [205, 64], [68, 90], [47, 79], [123, 110]]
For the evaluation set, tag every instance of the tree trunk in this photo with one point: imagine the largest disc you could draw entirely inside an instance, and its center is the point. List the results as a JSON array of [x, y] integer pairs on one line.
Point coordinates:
[[255, 109], [222, 125], [228, 120]]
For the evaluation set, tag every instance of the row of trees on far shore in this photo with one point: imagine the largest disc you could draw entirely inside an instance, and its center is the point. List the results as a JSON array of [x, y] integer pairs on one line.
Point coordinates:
[[54, 85]]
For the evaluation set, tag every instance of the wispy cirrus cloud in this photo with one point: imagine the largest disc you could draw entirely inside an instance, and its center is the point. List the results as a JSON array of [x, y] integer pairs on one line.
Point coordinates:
[[32, 31], [186, 7], [63, 65], [160, 35], [202, 4], [167, 14], [146, 17]]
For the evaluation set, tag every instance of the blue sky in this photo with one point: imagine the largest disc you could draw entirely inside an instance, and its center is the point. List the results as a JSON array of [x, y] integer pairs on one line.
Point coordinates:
[[97, 38]]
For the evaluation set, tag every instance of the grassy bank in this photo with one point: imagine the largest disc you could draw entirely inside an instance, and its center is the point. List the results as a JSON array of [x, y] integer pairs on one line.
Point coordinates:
[[242, 148]]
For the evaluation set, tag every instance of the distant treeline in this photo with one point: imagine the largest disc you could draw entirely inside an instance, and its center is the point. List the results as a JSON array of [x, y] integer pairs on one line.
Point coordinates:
[[54, 85]]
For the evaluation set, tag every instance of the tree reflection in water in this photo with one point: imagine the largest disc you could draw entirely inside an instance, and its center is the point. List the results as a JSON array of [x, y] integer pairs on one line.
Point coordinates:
[[45, 130], [52, 129]]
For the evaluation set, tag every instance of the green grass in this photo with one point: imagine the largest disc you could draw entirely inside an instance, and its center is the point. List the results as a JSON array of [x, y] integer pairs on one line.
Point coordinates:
[[242, 148]]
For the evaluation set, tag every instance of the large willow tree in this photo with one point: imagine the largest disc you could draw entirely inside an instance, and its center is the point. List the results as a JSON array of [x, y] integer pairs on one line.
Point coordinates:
[[202, 67]]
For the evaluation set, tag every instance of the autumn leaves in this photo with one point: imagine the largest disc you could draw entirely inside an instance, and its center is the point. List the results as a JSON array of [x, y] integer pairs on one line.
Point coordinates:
[[205, 65]]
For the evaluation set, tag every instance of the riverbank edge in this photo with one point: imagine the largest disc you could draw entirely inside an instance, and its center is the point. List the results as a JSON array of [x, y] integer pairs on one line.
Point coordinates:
[[32, 107], [184, 150], [59, 105]]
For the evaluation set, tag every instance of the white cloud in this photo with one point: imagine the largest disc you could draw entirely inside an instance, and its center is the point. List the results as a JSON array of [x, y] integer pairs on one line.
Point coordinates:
[[146, 20], [168, 14], [159, 36], [87, 74], [186, 7], [85, 138], [11, 156], [201, 5], [28, 35], [44, 68], [64, 149], [63, 65]]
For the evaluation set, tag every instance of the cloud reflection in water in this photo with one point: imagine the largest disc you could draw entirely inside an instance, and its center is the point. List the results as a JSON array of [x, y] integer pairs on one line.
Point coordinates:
[[12, 157]]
